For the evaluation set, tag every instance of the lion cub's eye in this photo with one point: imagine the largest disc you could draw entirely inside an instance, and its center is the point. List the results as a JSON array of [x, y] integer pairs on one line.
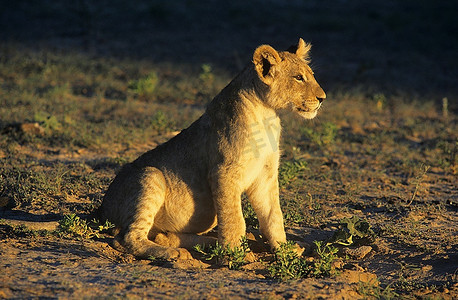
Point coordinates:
[[299, 78]]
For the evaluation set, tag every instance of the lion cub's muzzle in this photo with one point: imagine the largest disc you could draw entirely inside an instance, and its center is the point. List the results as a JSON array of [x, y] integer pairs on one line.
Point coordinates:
[[309, 108], [310, 105]]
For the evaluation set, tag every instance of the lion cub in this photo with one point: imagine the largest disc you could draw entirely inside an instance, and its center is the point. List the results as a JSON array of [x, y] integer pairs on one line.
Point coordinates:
[[167, 198]]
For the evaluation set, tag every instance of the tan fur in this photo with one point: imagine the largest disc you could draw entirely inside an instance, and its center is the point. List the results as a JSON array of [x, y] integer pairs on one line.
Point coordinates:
[[170, 196]]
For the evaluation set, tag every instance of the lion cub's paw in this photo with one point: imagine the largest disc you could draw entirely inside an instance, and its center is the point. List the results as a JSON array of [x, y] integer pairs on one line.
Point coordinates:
[[163, 240], [178, 253]]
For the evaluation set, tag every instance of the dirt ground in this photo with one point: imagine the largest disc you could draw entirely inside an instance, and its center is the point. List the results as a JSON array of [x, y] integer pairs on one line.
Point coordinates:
[[417, 263], [383, 148], [56, 268]]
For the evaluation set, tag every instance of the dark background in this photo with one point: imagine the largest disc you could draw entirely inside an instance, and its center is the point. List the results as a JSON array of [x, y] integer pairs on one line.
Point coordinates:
[[393, 47]]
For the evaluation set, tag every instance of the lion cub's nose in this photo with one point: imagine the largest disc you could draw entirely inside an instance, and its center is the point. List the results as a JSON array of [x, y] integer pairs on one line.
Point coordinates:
[[320, 94]]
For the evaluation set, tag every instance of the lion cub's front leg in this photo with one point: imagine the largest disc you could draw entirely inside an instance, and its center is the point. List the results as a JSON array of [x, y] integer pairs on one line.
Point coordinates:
[[264, 197], [227, 199]]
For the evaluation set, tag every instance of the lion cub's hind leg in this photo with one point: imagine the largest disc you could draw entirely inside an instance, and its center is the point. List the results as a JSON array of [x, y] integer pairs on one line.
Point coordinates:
[[134, 236]]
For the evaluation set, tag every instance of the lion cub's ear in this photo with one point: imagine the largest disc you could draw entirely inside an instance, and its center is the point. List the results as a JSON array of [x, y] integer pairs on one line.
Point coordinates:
[[264, 58], [303, 49]]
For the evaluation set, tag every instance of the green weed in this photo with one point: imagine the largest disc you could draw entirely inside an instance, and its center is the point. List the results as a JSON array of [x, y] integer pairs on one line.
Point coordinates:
[[352, 230], [206, 76], [288, 265], [290, 170], [75, 226], [445, 107], [233, 257], [380, 101], [322, 135], [160, 121], [145, 87], [48, 122], [323, 267]]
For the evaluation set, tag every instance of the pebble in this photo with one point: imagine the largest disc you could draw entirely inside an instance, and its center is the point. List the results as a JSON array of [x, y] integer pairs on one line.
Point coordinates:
[[358, 253]]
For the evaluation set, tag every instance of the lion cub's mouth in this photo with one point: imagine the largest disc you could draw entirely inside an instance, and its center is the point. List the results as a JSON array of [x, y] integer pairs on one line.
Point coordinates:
[[309, 106], [308, 109]]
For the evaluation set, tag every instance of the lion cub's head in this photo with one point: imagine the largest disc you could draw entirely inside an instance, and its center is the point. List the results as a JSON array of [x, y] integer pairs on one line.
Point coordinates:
[[289, 79]]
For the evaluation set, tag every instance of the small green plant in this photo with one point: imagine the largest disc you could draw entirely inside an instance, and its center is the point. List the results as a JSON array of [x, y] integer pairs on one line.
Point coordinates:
[[352, 230], [445, 107], [206, 76], [48, 122], [290, 170], [288, 265], [323, 266], [234, 257], [380, 101], [75, 226], [101, 227], [146, 86], [160, 121], [321, 136]]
